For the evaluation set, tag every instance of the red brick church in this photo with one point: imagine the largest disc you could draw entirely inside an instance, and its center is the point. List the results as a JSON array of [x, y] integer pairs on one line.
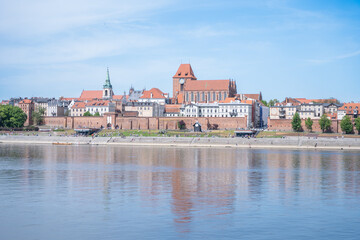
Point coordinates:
[[186, 87]]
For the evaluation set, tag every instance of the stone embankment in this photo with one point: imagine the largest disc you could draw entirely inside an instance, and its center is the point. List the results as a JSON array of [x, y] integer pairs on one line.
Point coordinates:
[[288, 142]]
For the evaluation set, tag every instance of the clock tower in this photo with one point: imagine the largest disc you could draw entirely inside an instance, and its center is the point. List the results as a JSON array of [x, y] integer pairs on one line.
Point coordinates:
[[183, 75]]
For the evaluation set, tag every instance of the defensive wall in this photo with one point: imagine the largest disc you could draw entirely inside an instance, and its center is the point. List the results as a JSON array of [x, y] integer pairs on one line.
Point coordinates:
[[285, 125], [145, 123]]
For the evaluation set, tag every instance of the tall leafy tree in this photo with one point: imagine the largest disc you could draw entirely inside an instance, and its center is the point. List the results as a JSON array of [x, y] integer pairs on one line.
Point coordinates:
[[357, 124], [296, 123], [346, 125], [272, 102], [97, 114], [11, 116], [308, 123], [87, 114], [38, 116], [324, 123]]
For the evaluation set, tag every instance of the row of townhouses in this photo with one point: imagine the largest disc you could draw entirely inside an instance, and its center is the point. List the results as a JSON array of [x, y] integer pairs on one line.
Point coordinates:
[[314, 109]]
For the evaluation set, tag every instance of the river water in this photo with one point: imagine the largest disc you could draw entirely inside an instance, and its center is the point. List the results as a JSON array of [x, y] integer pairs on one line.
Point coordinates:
[[115, 192]]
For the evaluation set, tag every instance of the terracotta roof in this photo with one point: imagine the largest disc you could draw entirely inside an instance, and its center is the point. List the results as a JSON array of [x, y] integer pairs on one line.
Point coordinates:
[[68, 99], [25, 101], [184, 71], [350, 107], [79, 105], [91, 94], [304, 100], [153, 93], [207, 85], [253, 96], [228, 100], [173, 108], [97, 103], [120, 97]]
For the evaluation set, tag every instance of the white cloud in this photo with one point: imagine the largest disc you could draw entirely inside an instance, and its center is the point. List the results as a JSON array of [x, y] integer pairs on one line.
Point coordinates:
[[38, 17]]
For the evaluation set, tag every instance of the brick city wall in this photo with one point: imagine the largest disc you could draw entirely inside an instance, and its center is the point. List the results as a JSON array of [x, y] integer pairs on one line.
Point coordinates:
[[285, 125], [170, 123]]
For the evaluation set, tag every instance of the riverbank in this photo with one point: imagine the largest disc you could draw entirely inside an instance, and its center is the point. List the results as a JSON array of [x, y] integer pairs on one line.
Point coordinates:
[[288, 142]]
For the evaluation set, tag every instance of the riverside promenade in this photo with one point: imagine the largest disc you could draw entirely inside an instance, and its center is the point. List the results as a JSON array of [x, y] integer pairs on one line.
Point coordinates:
[[288, 142]]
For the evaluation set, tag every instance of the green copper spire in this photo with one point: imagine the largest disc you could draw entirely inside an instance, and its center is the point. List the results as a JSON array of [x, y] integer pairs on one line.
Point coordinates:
[[107, 81]]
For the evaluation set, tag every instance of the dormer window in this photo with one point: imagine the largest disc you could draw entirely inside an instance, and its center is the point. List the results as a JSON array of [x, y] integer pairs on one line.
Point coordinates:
[[179, 73], [186, 74], [345, 107]]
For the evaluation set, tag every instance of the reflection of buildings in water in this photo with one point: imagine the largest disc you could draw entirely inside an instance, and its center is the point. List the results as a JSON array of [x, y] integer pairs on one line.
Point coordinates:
[[202, 178]]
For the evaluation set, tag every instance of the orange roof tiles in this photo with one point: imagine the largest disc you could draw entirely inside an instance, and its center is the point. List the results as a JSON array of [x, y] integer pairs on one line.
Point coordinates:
[[25, 101], [350, 107], [172, 108], [304, 100], [97, 103], [207, 85], [253, 96], [153, 93], [228, 100], [91, 94], [184, 71], [79, 105]]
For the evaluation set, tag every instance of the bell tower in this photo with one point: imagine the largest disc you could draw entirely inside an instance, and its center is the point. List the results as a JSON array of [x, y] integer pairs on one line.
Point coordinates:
[[107, 87], [183, 75]]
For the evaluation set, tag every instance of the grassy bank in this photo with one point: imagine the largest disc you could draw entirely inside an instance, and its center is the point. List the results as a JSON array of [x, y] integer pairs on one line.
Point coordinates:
[[164, 133]]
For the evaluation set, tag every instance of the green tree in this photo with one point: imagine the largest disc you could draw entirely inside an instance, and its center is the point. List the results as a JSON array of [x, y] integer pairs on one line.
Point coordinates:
[[38, 116], [324, 123], [265, 102], [97, 114], [296, 123], [357, 124], [308, 124], [87, 114], [11, 116], [181, 124], [272, 102], [346, 125]]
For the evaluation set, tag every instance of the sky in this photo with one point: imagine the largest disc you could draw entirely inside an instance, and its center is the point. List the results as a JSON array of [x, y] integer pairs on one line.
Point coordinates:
[[283, 48]]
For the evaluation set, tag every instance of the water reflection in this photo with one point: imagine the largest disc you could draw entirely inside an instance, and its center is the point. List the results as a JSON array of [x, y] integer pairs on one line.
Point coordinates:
[[190, 185]]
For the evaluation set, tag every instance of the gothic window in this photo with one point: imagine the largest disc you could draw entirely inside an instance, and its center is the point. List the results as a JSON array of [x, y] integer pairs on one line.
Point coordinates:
[[213, 96], [198, 97], [192, 96], [219, 96], [203, 96]]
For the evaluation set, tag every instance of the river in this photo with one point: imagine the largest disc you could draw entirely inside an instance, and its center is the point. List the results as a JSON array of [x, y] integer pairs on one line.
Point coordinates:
[[122, 192]]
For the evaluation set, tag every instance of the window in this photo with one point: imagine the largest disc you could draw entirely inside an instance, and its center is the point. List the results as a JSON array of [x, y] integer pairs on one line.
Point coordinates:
[[213, 96], [219, 96], [203, 96], [192, 96], [208, 96], [198, 97]]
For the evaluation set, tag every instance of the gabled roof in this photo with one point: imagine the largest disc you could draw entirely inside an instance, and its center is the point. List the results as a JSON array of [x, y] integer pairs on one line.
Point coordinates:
[[184, 71], [350, 107], [91, 94], [253, 96], [79, 105], [27, 101], [153, 93], [97, 103], [207, 85]]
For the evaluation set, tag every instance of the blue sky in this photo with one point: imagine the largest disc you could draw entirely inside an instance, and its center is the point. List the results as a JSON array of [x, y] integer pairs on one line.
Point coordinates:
[[284, 48]]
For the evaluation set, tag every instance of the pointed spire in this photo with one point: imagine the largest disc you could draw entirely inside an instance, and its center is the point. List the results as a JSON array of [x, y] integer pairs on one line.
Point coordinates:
[[107, 81]]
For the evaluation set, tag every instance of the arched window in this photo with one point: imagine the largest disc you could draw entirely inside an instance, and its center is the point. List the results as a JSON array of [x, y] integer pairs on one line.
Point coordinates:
[[106, 93]]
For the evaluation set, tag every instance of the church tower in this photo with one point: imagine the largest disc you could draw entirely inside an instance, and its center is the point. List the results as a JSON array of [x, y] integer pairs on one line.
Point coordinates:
[[107, 88]]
